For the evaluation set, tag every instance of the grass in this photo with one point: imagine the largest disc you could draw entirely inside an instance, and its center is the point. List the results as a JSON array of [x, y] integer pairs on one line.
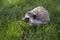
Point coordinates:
[[12, 28]]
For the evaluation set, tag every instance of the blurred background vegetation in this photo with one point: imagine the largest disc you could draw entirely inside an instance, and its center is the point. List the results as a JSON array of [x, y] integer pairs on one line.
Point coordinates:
[[12, 28]]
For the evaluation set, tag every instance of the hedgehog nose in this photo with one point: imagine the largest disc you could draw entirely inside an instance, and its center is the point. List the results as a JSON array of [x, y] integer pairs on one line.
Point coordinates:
[[25, 19]]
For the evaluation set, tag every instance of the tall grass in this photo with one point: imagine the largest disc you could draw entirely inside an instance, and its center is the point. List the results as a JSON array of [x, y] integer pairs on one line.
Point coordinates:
[[12, 28]]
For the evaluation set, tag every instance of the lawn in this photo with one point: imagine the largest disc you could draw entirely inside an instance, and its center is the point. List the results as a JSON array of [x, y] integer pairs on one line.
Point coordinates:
[[12, 28]]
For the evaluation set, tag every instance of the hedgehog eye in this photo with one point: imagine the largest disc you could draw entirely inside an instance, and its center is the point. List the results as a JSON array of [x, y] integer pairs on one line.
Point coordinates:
[[34, 16]]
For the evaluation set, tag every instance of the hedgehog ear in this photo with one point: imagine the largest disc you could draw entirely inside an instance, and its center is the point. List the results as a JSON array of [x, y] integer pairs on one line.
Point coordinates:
[[34, 16]]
